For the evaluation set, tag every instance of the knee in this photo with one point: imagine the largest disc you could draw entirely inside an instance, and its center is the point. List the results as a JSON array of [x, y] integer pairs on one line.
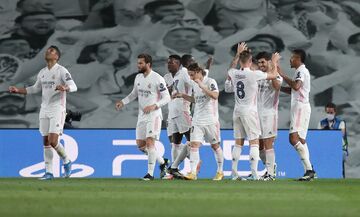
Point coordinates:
[[293, 140], [52, 143], [215, 146]]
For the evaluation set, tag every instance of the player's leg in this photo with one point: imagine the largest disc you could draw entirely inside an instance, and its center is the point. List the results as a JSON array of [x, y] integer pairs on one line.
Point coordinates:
[[153, 130], [48, 150], [270, 158], [268, 134], [239, 135], [171, 129], [300, 117], [197, 136], [262, 151], [212, 136], [55, 129], [252, 128]]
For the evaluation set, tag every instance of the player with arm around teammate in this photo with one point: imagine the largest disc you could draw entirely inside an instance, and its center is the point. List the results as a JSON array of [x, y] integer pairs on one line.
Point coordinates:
[[268, 101], [246, 122], [299, 88]]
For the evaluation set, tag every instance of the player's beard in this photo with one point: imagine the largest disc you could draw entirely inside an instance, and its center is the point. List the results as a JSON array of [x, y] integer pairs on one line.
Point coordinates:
[[142, 70]]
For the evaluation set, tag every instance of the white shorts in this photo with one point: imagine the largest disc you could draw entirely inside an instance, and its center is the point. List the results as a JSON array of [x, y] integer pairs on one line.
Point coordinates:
[[51, 122], [247, 126], [299, 119], [268, 125], [180, 124], [207, 133], [149, 129]]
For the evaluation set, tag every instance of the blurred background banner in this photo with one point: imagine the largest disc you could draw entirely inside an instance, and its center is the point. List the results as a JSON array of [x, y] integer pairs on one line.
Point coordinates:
[[113, 153]]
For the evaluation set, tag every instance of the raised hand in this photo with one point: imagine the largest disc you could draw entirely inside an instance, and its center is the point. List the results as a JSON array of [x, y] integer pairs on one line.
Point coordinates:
[[241, 47], [275, 57]]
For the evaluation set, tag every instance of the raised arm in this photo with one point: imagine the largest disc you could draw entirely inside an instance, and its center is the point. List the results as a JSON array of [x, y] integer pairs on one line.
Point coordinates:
[[241, 47], [274, 61], [211, 91]]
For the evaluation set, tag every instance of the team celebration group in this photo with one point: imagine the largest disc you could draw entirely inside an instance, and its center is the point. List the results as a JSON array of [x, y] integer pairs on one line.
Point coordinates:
[[192, 100]]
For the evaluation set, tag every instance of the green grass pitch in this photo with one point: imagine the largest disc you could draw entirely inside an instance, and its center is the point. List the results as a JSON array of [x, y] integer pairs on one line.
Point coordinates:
[[130, 197]]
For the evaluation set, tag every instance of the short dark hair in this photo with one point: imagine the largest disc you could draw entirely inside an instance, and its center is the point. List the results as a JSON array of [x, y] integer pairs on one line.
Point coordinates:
[[57, 50], [153, 5], [245, 56], [263, 55], [354, 38], [146, 57], [330, 105], [185, 59], [175, 56], [301, 53], [196, 68], [20, 18]]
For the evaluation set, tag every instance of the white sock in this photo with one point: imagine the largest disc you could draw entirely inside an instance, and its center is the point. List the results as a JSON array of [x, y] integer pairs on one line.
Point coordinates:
[[194, 159], [175, 151], [151, 160], [270, 161], [61, 152], [181, 157], [48, 159], [307, 150], [236, 152], [254, 159], [300, 148], [188, 148], [263, 156], [219, 159], [159, 158]]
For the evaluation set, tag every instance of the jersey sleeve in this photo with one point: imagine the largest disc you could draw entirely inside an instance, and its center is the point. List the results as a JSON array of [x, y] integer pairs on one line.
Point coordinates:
[[164, 93], [300, 76], [259, 75], [213, 86], [134, 93], [36, 88], [67, 79]]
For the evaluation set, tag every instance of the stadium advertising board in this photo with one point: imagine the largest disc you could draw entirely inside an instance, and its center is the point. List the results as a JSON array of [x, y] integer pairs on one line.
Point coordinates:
[[113, 153]]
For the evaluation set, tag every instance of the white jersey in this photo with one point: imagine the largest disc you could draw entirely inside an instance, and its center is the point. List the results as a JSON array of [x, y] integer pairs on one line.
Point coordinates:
[[302, 95], [181, 84], [245, 86], [47, 80], [149, 90], [268, 97], [206, 109]]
